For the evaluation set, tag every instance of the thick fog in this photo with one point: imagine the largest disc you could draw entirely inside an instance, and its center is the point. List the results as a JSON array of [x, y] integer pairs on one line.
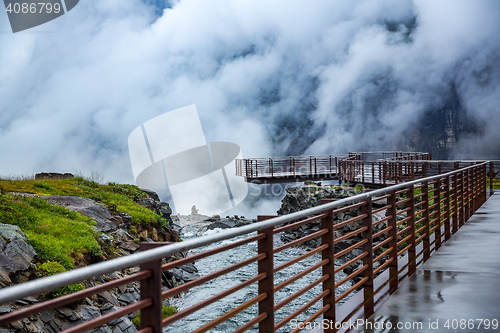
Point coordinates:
[[274, 77]]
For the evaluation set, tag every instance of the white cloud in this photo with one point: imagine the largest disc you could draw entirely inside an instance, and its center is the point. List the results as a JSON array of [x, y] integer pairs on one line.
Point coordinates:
[[69, 99]]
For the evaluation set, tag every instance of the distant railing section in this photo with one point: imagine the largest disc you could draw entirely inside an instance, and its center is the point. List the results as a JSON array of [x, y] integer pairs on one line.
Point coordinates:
[[394, 230], [366, 167], [390, 155], [289, 166]]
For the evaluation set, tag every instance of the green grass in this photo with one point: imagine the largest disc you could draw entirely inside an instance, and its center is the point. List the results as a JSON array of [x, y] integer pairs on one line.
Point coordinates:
[[49, 268], [57, 234], [166, 311], [118, 197], [496, 183]]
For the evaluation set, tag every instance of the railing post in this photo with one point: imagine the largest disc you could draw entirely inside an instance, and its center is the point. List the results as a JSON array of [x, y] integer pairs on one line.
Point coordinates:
[[446, 198], [491, 187], [479, 188], [368, 260], [455, 203], [151, 288], [461, 217], [266, 285], [373, 172], [477, 201], [393, 266], [426, 238], [437, 192], [384, 171], [412, 257], [475, 179], [492, 174], [467, 194], [480, 185], [329, 268]]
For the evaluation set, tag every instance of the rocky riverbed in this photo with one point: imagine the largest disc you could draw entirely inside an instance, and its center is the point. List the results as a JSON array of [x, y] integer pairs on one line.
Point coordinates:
[[309, 195]]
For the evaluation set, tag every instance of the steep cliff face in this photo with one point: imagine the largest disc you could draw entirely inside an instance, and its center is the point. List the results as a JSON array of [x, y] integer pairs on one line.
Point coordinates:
[[438, 131]]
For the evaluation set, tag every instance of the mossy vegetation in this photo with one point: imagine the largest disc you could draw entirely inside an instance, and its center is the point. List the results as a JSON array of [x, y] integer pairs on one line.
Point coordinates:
[[118, 197], [58, 234], [496, 183], [49, 268], [55, 233], [166, 311]]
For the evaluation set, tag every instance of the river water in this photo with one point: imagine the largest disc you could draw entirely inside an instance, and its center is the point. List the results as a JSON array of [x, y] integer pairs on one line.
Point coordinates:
[[221, 260]]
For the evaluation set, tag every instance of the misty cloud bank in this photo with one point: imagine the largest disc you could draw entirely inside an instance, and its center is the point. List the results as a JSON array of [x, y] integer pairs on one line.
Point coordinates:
[[274, 77]]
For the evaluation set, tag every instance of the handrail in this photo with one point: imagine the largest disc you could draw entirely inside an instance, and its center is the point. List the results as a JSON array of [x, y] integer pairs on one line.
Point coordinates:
[[60, 280]]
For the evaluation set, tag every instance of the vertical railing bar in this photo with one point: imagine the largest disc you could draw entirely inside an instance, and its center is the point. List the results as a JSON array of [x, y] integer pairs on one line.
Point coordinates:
[[266, 285], [492, 174], [412, 257], [454, 178], [447, 217], [462, 195], [393, 266], [437, 192], [474, 191], [368, 260], [467, 194], [426, 238], [151, 288], [329, 284]]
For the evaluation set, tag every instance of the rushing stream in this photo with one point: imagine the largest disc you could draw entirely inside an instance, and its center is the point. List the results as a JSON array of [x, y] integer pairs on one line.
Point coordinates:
[[219, 261]]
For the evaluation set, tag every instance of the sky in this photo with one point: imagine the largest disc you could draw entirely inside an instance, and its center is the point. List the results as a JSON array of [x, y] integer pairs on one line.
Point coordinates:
[[274, 77]]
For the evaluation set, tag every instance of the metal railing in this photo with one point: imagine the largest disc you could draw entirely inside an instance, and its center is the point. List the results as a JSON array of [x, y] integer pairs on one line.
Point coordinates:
[[366, 167], [394, 230], [289, 166]]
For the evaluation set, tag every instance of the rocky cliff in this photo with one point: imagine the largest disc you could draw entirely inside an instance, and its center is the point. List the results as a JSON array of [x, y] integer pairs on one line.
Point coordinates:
[[114, 218]]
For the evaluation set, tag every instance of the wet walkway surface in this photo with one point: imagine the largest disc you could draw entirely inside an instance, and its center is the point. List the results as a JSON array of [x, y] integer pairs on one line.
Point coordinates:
[[457, 289]]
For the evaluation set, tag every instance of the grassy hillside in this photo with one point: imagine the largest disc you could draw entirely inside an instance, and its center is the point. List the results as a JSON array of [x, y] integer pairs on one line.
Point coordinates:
[[59, 235]]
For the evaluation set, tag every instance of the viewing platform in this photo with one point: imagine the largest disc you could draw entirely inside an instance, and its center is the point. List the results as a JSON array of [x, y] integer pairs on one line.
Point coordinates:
[[372, 169]]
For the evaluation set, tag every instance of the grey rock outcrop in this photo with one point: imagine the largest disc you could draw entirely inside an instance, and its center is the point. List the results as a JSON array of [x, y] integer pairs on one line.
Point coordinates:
[[152, 202], [53, 175], [309, 195], [15, 252], [106, 222]]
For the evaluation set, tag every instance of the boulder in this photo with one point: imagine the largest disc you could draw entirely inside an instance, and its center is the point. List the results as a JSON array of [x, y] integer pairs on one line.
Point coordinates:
[[152, 194], [153, 202], [53, 175], [309, 195], [15, 252], [87, 207]]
